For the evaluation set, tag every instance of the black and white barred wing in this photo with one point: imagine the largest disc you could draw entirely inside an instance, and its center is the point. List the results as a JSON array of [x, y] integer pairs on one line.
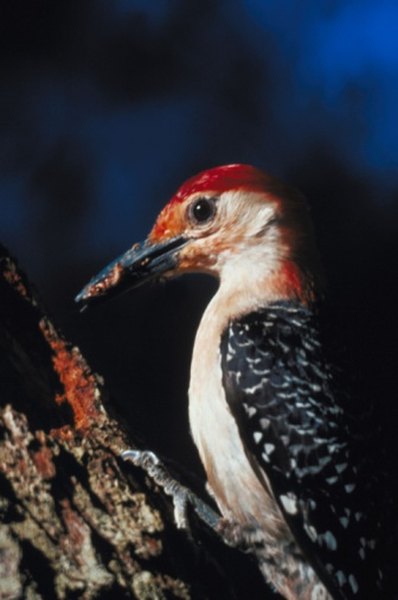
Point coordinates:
[[280, 391]]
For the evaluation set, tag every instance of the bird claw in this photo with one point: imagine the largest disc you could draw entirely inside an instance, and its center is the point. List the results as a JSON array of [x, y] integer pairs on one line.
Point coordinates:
[[230, 532], [181, 495]]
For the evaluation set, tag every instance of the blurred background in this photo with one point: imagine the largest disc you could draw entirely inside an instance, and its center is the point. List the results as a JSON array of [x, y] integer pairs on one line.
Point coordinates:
[[106, 106]]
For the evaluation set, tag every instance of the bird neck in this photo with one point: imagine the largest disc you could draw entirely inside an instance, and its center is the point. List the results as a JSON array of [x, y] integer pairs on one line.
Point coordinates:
[[242, 291]]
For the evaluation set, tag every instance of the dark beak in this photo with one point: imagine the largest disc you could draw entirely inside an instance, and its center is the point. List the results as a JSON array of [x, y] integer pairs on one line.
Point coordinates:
[[141, 263]]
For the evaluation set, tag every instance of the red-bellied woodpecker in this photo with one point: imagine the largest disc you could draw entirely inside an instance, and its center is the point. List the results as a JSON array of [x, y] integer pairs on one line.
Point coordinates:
[[271, 430]]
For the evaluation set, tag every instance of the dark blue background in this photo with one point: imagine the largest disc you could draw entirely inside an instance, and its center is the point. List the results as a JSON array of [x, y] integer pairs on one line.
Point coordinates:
[[107, 105]]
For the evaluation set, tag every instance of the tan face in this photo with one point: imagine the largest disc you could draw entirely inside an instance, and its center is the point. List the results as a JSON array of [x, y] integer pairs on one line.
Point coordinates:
[[216, 226]]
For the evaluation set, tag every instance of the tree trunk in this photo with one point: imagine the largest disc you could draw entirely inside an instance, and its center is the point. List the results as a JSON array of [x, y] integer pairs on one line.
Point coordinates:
[[75, 520]]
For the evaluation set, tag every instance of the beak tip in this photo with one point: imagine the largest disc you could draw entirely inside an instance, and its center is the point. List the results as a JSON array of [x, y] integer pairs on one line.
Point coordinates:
[[99, 286], [82, 300], [87, 296], [80, 297]]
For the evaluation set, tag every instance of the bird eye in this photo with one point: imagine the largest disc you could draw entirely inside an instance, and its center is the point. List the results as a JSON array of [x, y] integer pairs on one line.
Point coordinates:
[[202, 210]]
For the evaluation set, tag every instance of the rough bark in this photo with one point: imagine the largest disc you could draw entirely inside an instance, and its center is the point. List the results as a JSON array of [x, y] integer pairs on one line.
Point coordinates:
[[75, 521]]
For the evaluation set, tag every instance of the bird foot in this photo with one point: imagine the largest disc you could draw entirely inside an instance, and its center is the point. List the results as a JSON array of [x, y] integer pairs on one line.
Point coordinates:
[[230, 532], [181, 495], [244, 538]]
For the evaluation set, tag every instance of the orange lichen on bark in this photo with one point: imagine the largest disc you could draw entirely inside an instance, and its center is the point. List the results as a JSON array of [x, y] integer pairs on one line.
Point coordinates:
[[43, 460], [63, 434], [80, 386], [75, 526]]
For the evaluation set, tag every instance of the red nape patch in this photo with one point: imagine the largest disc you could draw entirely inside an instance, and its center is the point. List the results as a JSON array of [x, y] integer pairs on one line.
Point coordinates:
[[291, 283], [220, 179], [292, 278]]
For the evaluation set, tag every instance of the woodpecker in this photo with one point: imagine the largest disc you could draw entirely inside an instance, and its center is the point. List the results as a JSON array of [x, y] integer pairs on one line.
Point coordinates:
[[275, 437]]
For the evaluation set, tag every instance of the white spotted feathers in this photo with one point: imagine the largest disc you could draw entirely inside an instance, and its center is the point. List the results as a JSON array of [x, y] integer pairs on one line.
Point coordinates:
[[281, 391]]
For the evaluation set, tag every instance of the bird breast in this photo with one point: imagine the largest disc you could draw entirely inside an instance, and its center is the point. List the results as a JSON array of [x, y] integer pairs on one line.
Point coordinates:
[[238, 491]]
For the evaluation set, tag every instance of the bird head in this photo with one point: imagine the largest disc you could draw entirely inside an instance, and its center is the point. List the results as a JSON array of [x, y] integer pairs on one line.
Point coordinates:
[[235, 222]]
